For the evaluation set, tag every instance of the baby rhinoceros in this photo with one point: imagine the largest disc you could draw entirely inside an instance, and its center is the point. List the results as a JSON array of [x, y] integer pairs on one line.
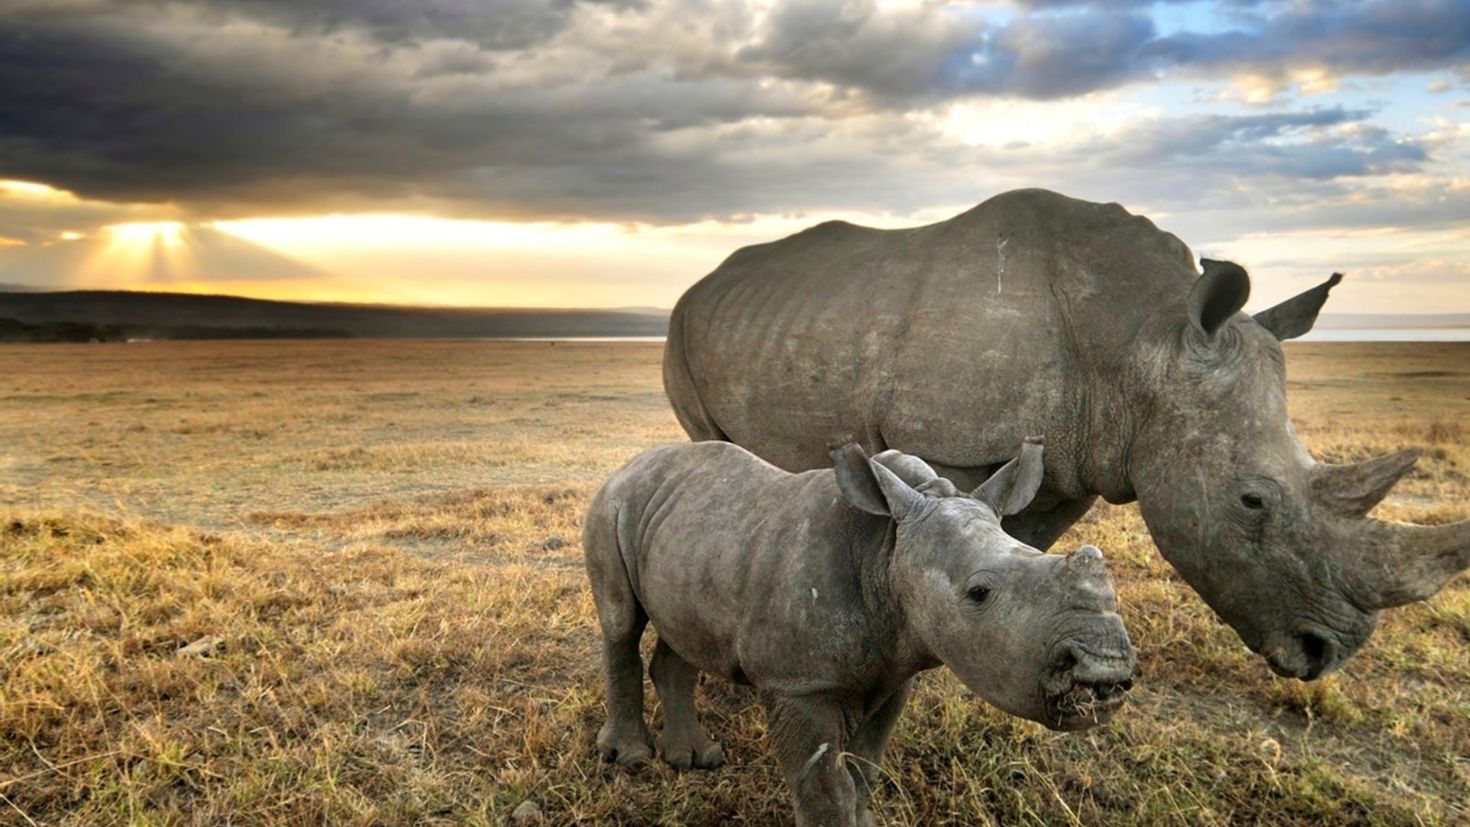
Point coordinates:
[[828, 591]]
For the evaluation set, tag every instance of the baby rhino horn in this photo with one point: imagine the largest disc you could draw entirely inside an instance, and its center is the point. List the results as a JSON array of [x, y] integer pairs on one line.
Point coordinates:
[[1087, 573]]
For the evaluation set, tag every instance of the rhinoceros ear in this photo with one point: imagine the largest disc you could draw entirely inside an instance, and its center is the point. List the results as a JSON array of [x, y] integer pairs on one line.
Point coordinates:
[[1012, 488], [871, 487], [1295, 316], [1217, 295], [908, 467]]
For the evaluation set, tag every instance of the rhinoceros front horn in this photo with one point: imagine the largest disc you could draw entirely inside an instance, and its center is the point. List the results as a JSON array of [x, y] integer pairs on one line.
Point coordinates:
[[1408, 563], [1353, 490]]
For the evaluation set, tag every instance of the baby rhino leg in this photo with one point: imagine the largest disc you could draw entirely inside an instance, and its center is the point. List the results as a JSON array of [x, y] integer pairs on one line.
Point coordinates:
[[683, 743], [867, 749], [810, 736], [624, 738]]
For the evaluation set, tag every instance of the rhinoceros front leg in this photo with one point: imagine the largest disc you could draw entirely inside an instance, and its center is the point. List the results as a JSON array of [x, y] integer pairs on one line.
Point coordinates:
[[1040, 529], [683, 742], [867, 747], [810, 735]]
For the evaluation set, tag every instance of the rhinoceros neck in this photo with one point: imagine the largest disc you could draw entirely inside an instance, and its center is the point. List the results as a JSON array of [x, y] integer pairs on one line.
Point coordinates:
[[875, 557]]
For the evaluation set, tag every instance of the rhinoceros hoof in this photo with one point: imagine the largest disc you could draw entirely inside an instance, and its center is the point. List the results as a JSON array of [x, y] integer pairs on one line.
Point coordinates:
[[683, 754], [628, 748]]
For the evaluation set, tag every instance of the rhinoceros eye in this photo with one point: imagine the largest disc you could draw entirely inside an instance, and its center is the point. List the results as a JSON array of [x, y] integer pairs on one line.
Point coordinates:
[[978, 594], [1252, 501]]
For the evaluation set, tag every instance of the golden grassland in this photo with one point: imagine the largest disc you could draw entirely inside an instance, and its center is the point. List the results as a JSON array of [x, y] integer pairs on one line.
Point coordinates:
[[369, 556]]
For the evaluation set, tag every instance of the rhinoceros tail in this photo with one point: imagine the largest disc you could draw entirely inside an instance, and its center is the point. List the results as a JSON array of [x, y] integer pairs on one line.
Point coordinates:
[[679, 384]]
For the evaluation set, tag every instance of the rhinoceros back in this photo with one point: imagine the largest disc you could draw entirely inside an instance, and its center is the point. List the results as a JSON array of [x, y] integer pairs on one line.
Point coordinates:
[[912, 338]]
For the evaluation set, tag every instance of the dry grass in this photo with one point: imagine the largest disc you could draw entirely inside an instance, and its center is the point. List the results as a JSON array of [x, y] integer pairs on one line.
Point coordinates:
[[375, 546]]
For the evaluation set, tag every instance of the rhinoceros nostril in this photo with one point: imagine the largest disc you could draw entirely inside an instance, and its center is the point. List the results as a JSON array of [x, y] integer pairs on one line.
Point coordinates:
[[1064, 660], [1108, 691], [1316, 651]]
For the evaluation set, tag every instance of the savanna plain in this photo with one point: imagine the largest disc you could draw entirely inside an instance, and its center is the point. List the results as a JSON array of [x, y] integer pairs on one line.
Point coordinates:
[[341, 583]]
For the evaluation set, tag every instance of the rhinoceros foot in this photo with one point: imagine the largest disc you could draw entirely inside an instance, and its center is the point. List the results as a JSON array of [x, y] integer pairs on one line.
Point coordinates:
[[629, 746], [685, 750]]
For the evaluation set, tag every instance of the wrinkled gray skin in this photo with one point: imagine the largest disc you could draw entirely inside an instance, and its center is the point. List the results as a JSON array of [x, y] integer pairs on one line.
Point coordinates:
[[828, 591], [1034, 313]]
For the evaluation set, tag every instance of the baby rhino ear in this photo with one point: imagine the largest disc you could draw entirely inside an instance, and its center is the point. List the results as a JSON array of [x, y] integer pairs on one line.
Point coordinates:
[[871, 487], [1010, 489]]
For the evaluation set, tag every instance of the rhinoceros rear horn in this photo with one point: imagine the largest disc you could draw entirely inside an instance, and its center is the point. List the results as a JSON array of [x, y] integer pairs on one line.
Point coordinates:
[[1353, 490], [1295, 316], [1217, 295], [1407, 563], [1011, 489]]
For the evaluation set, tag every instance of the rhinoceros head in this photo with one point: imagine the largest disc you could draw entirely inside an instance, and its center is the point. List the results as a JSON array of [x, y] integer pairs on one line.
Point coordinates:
[[1038, 635], [1279, 545]]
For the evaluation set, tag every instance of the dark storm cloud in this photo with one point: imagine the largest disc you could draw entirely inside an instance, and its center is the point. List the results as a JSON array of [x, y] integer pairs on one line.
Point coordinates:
[[1252, 145], [1212, 179], [1051, 57], [489, 24], [1375, 38], [631, 110], [1096, 44], [903, 56]]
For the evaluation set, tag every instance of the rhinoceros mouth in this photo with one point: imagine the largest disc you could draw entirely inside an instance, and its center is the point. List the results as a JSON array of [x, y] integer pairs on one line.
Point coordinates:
[[1086, 705], [1086, 685]]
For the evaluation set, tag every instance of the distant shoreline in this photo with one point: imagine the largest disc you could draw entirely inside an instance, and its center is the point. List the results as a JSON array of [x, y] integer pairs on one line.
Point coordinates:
[[102, 315], [1389, 334]]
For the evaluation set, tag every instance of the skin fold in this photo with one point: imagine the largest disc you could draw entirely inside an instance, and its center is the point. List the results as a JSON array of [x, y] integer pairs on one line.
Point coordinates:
[[828, 591]]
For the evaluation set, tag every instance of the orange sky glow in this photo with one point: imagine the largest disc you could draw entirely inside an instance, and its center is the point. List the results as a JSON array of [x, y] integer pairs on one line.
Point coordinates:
[[427, 260]]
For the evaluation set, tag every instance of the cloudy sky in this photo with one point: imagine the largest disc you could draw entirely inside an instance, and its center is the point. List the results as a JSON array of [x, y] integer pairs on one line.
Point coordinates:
[[611, 152]]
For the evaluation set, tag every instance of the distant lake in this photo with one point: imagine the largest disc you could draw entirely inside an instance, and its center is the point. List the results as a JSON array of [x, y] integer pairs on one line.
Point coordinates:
[[1389, 334]]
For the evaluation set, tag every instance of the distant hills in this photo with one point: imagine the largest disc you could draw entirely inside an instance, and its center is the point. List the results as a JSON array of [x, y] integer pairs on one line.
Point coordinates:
[[113, 314], [83, 315]]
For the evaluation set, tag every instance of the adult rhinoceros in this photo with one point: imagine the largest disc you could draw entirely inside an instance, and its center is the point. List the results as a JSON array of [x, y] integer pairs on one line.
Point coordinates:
[[1035, 313]]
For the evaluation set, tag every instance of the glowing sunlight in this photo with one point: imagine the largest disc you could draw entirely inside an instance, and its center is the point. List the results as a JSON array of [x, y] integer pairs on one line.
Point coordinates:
[[138, 253]]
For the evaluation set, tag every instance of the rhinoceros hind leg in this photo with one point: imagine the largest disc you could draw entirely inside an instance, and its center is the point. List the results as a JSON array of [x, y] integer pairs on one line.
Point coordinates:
[[624, 738], [683, 742]]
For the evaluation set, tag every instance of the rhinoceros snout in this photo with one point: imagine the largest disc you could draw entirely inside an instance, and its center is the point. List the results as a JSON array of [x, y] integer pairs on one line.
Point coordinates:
[[1089, 686], [1306, 655]]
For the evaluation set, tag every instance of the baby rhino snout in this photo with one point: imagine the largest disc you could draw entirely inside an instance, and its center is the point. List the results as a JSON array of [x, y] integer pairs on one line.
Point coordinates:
[[1090, 666], [1090, 677]]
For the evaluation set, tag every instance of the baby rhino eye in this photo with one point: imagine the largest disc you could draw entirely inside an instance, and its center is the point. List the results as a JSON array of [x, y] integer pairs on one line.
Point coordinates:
[[979, 594], [1252, 500]]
